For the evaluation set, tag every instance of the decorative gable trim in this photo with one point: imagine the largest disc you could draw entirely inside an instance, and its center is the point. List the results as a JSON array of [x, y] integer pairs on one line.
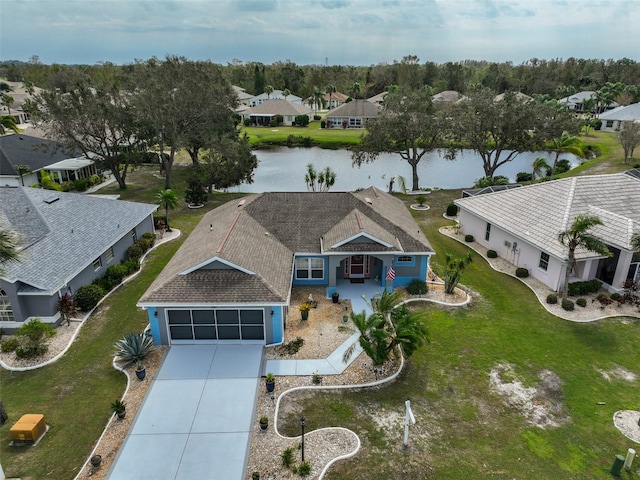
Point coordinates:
[[358, 235], [217, 259]]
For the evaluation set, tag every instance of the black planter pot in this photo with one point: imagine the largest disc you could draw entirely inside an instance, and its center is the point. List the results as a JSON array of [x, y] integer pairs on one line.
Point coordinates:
[[96, 460], [264, 426], [141, 373], [270, 386], [335, 297], [122, 414], [304, 315]]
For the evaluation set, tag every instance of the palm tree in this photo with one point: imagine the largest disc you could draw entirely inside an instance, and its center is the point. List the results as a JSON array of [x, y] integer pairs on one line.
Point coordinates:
[[355, 89], [268, 89], [22, 170], [453, 270], [168, 199], [577, 235], [7, 122], [9, 247], [316, 98], [539, 165], [635, 242], [286, 92], [330, 89], [7, 101], [566, 143]]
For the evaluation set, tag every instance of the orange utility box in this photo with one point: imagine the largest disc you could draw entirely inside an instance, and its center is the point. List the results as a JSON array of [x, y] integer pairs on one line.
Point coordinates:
[[29, 428]]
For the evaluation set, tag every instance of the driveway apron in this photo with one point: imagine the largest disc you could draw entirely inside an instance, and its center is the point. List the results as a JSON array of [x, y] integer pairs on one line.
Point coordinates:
[[197, 418]]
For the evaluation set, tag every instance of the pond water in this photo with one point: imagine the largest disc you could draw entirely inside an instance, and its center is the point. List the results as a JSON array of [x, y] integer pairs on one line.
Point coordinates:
[[283, 170]]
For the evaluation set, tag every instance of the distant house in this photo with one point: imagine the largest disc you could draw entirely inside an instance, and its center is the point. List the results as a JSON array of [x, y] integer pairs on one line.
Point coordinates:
[[576, 102], [378, 99], [352, 115], [243, 97], [330, 101], [262, 114], [66, 241], [612, 120], [39, 155], [521, 97], [275, 95], [446, 98], [231, 280], [20, 95], [522, 226]]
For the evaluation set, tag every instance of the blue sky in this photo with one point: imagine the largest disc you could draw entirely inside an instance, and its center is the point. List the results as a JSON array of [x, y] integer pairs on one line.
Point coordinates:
[[345, 32]]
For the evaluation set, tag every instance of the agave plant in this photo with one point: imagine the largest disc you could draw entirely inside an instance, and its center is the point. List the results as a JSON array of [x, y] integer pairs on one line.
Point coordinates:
[[133, 348]]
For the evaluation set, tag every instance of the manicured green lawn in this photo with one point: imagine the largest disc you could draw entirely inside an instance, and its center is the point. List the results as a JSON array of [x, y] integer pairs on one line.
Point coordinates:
[[325, 137], [464, 430]]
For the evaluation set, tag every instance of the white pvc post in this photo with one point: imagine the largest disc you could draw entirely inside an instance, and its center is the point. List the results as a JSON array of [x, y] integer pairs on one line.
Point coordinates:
[[629, 460], [408, 418]]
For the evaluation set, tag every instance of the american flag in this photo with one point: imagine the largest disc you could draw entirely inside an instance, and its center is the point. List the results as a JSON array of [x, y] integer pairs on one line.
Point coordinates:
[[391, 273]]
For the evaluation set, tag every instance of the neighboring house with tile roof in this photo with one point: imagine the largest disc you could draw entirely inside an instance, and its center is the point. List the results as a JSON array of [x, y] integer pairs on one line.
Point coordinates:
[[330, 101], [275, 95], [353, 114], [231, 279], [262, 114], [66, 241], [39, 155], [522, 226], [612, 120]]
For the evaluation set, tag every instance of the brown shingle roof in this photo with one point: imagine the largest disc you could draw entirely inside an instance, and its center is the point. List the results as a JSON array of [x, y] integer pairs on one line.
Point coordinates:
[[278, 107], [355, 108]]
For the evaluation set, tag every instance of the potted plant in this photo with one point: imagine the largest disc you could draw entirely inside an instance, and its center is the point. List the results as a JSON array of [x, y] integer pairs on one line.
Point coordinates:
[[119, 408], [255, 476], [264, 423], [335, 296], [304, 310], [132, 350], [270, 382], [96, 460], [316, 378]]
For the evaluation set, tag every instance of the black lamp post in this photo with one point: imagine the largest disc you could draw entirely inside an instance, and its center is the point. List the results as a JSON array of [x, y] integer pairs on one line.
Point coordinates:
[[302, 425]]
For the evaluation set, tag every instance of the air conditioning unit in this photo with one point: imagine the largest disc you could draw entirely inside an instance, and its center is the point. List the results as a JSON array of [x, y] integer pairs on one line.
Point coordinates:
[[507, 244]]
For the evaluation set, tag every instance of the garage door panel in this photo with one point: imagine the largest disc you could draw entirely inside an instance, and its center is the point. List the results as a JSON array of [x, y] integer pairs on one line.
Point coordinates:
[[226, 317], [252, 333], [251, 317], [228, 332], [204, 332], [181, 332], [203, 316], [177, 317]]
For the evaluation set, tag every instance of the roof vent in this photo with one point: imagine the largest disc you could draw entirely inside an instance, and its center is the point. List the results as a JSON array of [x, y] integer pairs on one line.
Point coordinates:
[[51, 200], [368, 200], [241, 202]]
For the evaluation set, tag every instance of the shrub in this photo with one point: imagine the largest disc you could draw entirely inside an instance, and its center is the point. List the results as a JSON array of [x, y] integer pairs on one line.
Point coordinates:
[[133, 348], [293, 346], [317, 117], [134, 251], [88, 296], [417, 287], [615, 296], [304, 469], [468, 238], [302, 120], [522, 272], [9, 345], [273, 123], [279, 119], [145, 243], [33, 337], [563, 166], [452, 210], [246, 122], [133, 265], [492, 254], [67, 186], [567, 305], [584, 288], [552, 299], [524, 177], [115, 273], [421, 199], [323, 124], [582, 302], [287, 457], [81, 184]]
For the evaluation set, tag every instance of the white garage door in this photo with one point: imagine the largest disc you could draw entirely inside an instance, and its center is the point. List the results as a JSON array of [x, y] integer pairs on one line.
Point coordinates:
[[214, 326]]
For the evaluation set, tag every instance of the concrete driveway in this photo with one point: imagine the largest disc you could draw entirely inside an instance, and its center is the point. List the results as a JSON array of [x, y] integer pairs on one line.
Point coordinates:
[[197, 418]]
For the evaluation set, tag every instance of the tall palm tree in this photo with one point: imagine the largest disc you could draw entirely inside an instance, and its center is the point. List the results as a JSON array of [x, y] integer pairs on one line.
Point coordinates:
[[578, 235], [565, 143], [9, 247], [539, 165], [268, 89], [330, 89], [168, 199], [355, 90], [316, 98], [7, 101], [453, 270], [286, 92]]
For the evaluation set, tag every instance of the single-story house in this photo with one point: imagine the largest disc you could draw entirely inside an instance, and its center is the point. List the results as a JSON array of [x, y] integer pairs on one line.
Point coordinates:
[[243, 97], [522, 226], [67, 240], [447, 98], [612, 120], [20, 95], [352, 115], [231, 280], [378, 99], [330, 101], [262, 114], [40, 154], [576, 102], [275, 95]]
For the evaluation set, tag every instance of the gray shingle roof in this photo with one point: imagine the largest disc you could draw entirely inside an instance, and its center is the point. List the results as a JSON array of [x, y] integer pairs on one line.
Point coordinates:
[[261, 234], [37, 153], [630, 113], [537, 213], [355, 108], [278, 107], [63, 233]]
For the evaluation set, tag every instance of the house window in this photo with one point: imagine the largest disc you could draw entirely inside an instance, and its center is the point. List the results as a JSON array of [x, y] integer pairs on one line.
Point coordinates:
[[544, 261], [487, 232], [134, 235], [309, 268], [6, 310], [609, 123], [404, 259], [355, 122], [97, 264], [109, 255]]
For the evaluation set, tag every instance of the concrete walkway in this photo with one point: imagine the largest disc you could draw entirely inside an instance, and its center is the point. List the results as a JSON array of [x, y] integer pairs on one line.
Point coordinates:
[[197, 418], [333, 364]]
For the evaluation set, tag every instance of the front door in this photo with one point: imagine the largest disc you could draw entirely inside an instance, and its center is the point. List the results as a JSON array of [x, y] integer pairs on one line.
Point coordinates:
[[359, 266]]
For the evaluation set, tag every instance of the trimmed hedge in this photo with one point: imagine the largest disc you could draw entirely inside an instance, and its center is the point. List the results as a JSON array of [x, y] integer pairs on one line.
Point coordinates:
[[468, 238], [522, 272], [582, 302], [88, 296], [552, 299], [567, 305], [492, 254], [452, 210], [584, 288]]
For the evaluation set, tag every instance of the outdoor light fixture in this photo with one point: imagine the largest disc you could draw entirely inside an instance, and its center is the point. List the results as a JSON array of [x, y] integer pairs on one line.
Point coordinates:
[[302, 420]]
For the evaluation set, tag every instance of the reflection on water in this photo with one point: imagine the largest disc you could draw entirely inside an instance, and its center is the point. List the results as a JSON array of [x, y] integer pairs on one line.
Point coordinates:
[[284, 169]]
